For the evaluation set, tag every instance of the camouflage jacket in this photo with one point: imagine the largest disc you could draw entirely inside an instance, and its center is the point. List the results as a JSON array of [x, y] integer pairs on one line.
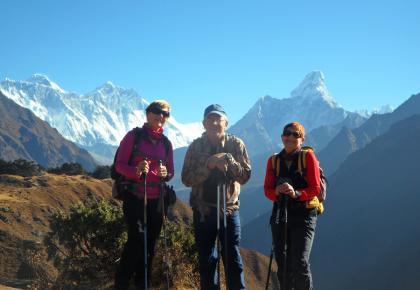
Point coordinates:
[[195, 171]]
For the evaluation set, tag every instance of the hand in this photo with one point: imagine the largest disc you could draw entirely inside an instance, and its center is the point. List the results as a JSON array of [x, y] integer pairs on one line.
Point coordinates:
[[217, 160], [142, 167], [285, 188], [222, 164], [211, 162], [162, 172]]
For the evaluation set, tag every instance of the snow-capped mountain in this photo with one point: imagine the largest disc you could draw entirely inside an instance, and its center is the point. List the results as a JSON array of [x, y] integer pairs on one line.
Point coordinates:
[[93, 120], [310, 103], [382, 110]]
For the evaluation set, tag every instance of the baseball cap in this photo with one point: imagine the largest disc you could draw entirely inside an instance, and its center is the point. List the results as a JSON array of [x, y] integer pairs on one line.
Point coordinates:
[[215, 109]]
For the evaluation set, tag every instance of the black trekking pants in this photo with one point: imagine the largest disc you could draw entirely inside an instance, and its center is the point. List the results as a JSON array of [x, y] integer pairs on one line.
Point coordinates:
[[300, 235], [132, 258]]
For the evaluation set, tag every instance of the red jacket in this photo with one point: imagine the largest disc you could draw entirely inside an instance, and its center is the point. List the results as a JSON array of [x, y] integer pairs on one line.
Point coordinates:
[[312, 174]]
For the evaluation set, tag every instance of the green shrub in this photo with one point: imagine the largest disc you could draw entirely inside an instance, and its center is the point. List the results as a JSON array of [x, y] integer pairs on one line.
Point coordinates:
[[86, 243], [68, 169], [182, 257], [102, 172], [21, 167]]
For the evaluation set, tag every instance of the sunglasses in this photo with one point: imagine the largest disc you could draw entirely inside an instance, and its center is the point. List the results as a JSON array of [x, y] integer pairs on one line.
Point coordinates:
[[295, 134], [159, 111]]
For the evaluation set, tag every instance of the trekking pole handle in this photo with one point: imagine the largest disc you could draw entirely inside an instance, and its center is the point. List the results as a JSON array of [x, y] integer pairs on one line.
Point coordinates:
[[162, 187], [144, 171], [163, 178], [160, 164]]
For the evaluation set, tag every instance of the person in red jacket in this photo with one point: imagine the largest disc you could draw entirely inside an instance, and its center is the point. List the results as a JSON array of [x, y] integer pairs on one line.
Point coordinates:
[[151, 148], [291, 191]]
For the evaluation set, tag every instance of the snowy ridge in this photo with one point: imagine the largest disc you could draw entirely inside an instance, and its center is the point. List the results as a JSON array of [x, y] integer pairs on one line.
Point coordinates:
[[102, 116], [312, 88], [382, 110]]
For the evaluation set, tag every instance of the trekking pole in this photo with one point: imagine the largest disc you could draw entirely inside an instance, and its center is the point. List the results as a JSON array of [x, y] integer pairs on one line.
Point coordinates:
[[145, 229], [225, 233], [285, 220], [165, 262], [276, 222], [267, 282], [218, 236]]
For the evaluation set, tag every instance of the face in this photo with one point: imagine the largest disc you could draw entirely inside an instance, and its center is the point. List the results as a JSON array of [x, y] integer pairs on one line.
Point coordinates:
[[215, 125], [157, 117], [291, 139]]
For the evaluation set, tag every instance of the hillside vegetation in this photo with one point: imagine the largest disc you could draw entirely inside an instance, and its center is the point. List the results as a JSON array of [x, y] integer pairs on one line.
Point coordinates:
[[33, 208]]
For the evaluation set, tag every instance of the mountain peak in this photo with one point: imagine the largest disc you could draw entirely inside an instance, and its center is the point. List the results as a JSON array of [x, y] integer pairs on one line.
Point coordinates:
[[261, 103], [39, 78], [264, 99], [108, 86], [314, 77], [42, 79], [313, 87]]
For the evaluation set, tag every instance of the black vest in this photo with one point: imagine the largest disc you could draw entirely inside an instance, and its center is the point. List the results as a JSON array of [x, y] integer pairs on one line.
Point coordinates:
[[291, 173]]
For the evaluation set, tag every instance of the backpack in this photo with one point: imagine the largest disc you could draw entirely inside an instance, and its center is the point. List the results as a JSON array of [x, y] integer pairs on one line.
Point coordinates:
[[119, 185], [319, 199]]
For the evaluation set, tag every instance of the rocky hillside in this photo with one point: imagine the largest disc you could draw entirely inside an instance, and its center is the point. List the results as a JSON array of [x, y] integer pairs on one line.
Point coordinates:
[[23, 135]]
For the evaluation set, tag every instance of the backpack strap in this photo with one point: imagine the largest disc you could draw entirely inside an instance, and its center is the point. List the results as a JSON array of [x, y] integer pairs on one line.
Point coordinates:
[[275, 163], [167, 145], [138, 132], [316, 201], [137, 135], [302, 158]]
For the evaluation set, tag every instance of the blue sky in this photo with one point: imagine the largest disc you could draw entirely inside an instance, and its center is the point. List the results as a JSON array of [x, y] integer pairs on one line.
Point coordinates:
[[194, 52]]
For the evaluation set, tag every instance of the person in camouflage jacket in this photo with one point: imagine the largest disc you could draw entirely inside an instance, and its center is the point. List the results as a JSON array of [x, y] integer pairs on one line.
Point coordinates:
[[213, 159]]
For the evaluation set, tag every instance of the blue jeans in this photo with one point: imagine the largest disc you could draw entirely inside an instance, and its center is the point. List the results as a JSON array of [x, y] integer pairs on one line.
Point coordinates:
[[205, 238]]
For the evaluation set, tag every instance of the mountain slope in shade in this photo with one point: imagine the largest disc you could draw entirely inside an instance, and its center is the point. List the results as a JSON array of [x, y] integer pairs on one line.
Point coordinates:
[[350, 140], [258, 227], [23, 135], [310, 103], [369, 237], [319, 137]]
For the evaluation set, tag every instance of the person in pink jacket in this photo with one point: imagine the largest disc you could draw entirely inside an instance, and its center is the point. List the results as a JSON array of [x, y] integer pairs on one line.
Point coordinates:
[[150, 158]]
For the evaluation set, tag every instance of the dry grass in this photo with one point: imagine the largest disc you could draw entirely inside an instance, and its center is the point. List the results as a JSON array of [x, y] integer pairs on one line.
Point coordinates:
[[26, 204]]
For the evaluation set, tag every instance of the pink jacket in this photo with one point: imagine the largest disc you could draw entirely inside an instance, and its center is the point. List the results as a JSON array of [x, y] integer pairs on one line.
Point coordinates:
[[146, 149]]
